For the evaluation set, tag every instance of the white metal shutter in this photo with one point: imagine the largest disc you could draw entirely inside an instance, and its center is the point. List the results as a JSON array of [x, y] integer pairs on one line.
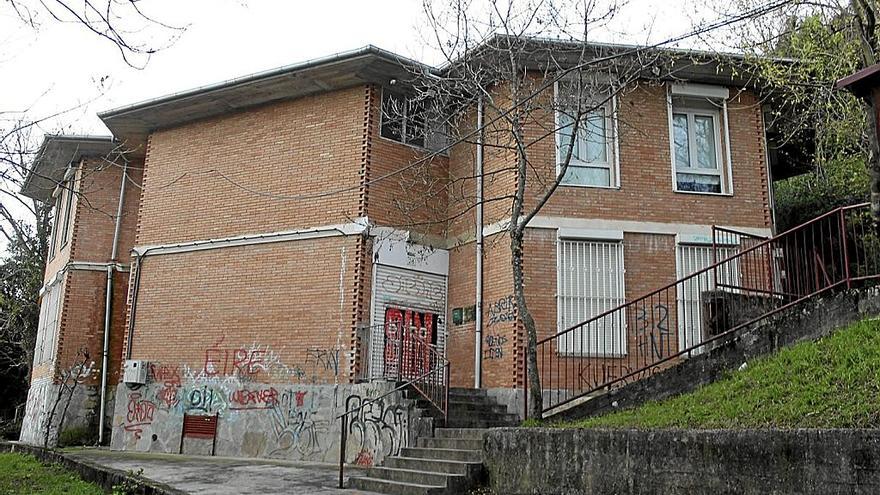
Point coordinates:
[[590, 281], [691, 259], [47, 328], [395, 287]]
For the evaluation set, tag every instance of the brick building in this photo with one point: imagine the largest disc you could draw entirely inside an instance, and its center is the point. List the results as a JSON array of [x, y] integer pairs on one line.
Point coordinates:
[[283, 219]]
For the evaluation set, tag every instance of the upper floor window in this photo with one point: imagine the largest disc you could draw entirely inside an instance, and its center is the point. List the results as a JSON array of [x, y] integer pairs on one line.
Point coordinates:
[[700, 140], [411, 121], [56, 225], [593, 159], [68, 206]]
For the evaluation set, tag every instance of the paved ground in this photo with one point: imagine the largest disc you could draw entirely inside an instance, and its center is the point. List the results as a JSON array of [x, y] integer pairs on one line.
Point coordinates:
[[225, 475]]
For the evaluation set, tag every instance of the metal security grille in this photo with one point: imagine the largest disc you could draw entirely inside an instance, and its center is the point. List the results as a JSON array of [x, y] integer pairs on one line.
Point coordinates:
[[691, 259], [47, 329], [590, 282], [420, 293]]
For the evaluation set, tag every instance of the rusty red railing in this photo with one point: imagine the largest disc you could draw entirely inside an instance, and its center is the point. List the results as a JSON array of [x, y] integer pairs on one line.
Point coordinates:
[[736, 282]]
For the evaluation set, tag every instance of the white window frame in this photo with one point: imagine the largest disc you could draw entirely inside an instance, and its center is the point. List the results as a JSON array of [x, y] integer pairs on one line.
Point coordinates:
[[611, 143], [721, 122], [618, 347]]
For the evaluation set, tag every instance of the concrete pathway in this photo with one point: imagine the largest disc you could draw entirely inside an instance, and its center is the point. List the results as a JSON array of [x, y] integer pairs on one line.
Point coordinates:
[[225, 475]]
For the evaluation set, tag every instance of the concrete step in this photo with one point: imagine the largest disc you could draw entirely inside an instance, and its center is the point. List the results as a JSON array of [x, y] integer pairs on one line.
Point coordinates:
[[469, 469], [394, 487], [417, 476], [477, 406], [479, 423], [443, 454], [467, 416], [467, 392], [475, 433], [451, 443]]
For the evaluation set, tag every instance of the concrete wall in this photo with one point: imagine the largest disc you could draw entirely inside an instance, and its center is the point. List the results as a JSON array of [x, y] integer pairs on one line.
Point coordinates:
[[297, 422], [672, 462]]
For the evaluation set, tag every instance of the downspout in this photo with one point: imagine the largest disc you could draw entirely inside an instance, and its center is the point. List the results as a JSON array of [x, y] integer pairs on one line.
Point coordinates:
[[478, 316], [108, 305]]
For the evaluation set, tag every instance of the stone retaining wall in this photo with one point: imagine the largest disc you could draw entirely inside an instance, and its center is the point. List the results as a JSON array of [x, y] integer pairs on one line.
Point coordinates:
[[677, 462]]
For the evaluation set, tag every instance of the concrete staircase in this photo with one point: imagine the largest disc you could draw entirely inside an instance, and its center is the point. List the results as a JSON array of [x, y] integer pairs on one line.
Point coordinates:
[[449, 462]]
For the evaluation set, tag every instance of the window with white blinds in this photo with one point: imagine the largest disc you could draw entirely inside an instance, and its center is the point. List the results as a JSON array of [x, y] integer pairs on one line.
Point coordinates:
[[47, 329], [589, 283], [691, 259]]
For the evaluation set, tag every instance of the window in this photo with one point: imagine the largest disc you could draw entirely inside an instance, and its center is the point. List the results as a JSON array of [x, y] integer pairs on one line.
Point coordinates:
[[593, 158], [691, 259], [56, 219], [409, 121], [68, 203], [698, 135], [590, 282]]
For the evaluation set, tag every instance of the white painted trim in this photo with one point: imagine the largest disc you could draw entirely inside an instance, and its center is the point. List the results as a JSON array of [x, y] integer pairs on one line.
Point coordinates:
[[728, 157], [591, 224], [80, 265], [397, 252], [358, 227], [705, 239], [589, 234], [700, 90]]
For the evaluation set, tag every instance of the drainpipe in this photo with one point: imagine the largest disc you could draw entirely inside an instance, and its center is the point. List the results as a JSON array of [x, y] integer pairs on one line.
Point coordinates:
[[108, 306], [478, 320]]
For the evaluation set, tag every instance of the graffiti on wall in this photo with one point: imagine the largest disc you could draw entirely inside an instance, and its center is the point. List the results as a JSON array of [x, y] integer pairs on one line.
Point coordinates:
[[503, 309], [379, 428], [494, 348], [653, 337], [140, 414]]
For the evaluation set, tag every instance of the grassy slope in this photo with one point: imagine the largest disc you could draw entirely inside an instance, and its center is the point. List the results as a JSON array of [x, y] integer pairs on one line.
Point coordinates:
[[24, 475], [832, 383]]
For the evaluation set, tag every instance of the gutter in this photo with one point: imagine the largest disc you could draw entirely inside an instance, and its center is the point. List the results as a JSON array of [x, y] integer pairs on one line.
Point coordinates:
[[108, 305], [478, 317]]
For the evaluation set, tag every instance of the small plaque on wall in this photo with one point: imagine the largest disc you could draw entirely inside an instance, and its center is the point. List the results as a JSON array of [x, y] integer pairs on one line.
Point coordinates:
[[464, 315]]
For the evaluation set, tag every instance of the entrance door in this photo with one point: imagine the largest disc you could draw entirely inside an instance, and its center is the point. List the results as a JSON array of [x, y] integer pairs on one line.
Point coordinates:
[[404, 300]]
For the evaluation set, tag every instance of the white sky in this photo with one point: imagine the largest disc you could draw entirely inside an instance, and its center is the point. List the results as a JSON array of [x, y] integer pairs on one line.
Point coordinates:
[[59, 66]]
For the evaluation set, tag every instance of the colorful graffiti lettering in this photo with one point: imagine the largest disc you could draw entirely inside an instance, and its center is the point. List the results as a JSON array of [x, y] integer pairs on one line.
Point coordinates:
[[244, 399]]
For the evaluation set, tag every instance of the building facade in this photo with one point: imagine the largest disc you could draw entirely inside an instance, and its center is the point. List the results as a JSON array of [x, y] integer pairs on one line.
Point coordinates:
[[287, 223]]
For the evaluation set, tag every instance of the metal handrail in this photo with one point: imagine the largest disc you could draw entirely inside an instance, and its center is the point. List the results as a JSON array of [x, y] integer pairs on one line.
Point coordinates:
[[412, 382], [758, 270]]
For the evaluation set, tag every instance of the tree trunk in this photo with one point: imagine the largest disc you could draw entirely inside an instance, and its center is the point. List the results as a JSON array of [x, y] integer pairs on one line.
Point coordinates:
[[535, 401]]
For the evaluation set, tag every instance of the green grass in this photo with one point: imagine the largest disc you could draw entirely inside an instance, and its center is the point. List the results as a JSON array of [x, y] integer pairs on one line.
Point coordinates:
[[25, 475], [831, 383]]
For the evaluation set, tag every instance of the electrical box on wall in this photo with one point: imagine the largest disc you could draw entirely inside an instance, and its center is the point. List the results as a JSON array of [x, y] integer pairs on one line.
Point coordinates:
[[135, 372]]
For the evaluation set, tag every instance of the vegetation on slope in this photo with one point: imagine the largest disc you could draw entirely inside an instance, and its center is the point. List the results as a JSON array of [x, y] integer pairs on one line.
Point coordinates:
[[831, 383], [25, 475]]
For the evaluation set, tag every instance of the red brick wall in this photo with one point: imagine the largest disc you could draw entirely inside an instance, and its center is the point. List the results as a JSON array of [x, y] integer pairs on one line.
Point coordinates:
[[280, 300], [253, 163]]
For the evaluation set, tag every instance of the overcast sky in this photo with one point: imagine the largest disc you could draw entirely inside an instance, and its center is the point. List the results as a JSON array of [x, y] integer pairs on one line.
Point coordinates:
[[58, 66], [62, 65]]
